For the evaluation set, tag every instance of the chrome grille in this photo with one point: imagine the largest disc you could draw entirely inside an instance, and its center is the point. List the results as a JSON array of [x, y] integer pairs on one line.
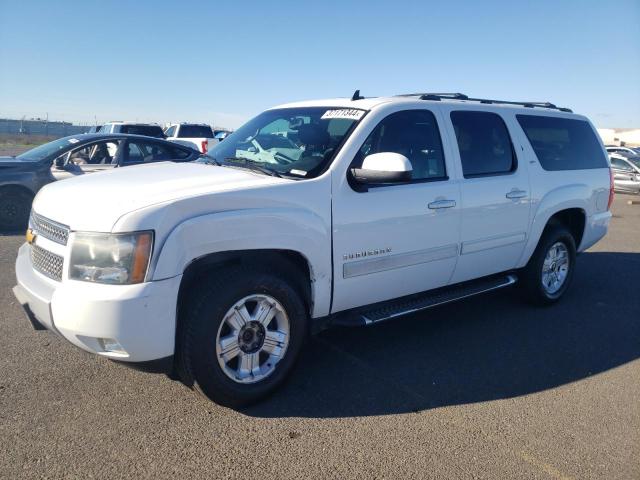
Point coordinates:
[[47, 263], [55, 232]]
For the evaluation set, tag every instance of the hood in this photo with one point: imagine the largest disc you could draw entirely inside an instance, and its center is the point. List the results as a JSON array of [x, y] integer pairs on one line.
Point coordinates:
[[95, 202], [14, 163]]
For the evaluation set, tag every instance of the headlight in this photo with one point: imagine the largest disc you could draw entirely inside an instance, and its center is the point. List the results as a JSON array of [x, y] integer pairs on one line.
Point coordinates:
[[117, 258]]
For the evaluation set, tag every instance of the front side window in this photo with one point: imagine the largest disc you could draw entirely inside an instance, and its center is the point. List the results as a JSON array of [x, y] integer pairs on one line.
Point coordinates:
[[412, 133], [297, 142], [99, 153], [484, 143], [621, 165], [563, 143]]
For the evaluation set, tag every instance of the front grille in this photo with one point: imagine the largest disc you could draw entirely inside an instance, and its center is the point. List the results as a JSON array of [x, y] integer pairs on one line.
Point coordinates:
[[55, 232], [47, 263]]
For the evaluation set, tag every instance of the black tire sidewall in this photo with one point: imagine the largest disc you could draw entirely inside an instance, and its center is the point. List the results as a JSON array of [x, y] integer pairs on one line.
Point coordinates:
[[204, 321]]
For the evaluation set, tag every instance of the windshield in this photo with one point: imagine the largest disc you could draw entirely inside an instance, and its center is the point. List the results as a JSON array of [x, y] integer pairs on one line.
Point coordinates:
[[635, 160], [48, 149], [292, 141], [195, 131]]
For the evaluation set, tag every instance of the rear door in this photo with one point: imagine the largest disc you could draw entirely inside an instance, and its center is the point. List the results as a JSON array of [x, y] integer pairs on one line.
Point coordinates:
[[495, 193]]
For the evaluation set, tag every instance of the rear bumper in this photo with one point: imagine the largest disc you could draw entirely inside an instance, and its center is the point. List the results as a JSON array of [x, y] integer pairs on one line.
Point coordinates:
[[141, 318], [596, 227]]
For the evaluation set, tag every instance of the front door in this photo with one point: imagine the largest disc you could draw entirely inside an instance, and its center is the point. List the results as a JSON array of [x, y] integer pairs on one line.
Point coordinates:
[[396, 239]]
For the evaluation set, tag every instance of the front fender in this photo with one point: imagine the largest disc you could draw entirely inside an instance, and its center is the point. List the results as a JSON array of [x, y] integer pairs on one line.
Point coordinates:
[[252, 229]]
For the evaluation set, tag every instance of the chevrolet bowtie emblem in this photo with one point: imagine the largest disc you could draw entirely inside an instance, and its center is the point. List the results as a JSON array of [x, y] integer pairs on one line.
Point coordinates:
[[31, 236]]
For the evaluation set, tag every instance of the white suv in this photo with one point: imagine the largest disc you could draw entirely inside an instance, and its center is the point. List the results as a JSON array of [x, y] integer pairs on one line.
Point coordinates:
[[341, 211]]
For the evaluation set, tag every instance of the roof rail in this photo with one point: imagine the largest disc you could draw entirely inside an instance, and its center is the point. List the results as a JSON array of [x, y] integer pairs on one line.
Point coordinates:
[[461, 96]]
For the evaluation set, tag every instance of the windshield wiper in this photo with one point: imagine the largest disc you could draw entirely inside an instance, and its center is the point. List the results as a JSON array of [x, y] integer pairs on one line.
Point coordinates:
[[252, 165], [212, 161]]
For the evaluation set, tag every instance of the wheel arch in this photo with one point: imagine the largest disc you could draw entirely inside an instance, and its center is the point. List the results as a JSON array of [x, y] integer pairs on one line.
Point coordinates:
[[569, 205]]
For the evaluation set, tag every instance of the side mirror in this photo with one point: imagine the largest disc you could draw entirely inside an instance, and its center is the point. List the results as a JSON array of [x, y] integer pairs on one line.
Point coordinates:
[[384, 167], [59, 162]]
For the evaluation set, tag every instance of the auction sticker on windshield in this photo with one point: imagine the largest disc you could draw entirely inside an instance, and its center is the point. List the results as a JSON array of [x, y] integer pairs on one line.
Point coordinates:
[[349, 113]]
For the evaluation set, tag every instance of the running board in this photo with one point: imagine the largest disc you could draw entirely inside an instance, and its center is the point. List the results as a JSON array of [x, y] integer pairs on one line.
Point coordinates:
[[380, 312]]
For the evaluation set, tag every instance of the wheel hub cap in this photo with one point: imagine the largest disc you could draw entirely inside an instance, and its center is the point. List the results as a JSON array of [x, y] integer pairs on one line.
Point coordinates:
[[252, 338], [555, 268]]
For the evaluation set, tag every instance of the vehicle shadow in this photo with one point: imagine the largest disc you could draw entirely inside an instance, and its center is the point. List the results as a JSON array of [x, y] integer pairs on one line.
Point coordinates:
[[485, 348]]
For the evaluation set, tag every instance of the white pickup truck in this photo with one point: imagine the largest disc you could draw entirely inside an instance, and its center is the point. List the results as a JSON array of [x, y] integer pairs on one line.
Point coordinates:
[[195, 135], [354, 212]]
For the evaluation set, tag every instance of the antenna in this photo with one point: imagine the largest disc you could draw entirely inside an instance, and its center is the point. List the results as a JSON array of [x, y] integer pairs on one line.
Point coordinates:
[[356, 96]]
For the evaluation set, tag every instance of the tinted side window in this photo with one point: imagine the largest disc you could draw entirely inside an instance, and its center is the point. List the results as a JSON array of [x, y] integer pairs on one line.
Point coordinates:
[[484, 143], [143, 152], [563, 143], [412, 133]]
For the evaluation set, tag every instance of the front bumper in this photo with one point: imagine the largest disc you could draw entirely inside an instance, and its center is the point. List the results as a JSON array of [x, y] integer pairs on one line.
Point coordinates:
[[141, 318]]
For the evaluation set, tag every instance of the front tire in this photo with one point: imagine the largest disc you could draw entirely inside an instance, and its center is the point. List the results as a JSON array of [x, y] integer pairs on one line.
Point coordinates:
[[549, 272], [243, 332]]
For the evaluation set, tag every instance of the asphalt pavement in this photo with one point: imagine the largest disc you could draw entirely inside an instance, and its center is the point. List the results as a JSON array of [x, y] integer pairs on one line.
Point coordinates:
[[483, 388]]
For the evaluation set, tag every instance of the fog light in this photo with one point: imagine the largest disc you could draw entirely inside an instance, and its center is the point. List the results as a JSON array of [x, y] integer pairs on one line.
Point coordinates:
[[112, 346]]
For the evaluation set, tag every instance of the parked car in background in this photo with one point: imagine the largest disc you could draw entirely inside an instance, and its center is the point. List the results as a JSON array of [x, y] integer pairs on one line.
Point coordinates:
[[379, 208], [195, 135], [133, 128], [221, 134], [625, 150], [626, 172], [94, 129], [22, 177]]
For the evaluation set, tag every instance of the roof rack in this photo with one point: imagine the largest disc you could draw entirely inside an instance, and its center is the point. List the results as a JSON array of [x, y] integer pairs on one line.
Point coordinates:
[[462, 96]]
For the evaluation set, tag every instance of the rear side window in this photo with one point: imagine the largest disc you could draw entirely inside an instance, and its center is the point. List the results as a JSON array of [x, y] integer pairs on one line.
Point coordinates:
[[563, 143], [484, 143], [195, 131]]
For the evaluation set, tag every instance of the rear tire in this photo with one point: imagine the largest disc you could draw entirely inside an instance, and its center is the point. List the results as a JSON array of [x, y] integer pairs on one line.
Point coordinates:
[[242, 333], [15, 205], [549, 271]]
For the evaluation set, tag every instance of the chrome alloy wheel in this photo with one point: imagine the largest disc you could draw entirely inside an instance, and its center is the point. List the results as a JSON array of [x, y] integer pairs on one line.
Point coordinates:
[[252, 338], [555, 268]]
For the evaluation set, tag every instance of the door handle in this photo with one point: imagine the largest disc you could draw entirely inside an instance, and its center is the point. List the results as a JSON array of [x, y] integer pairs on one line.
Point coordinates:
[[442, 204], [516, 193]]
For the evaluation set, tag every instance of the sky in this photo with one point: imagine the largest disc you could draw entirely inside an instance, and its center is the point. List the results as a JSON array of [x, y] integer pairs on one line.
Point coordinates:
[[224, 62]]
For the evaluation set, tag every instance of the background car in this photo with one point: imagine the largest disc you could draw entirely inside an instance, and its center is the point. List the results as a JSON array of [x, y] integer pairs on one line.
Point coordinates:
[[195, 135], [133, 128], [22, 176], [221, 134], [624, 150], [626, 172]]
